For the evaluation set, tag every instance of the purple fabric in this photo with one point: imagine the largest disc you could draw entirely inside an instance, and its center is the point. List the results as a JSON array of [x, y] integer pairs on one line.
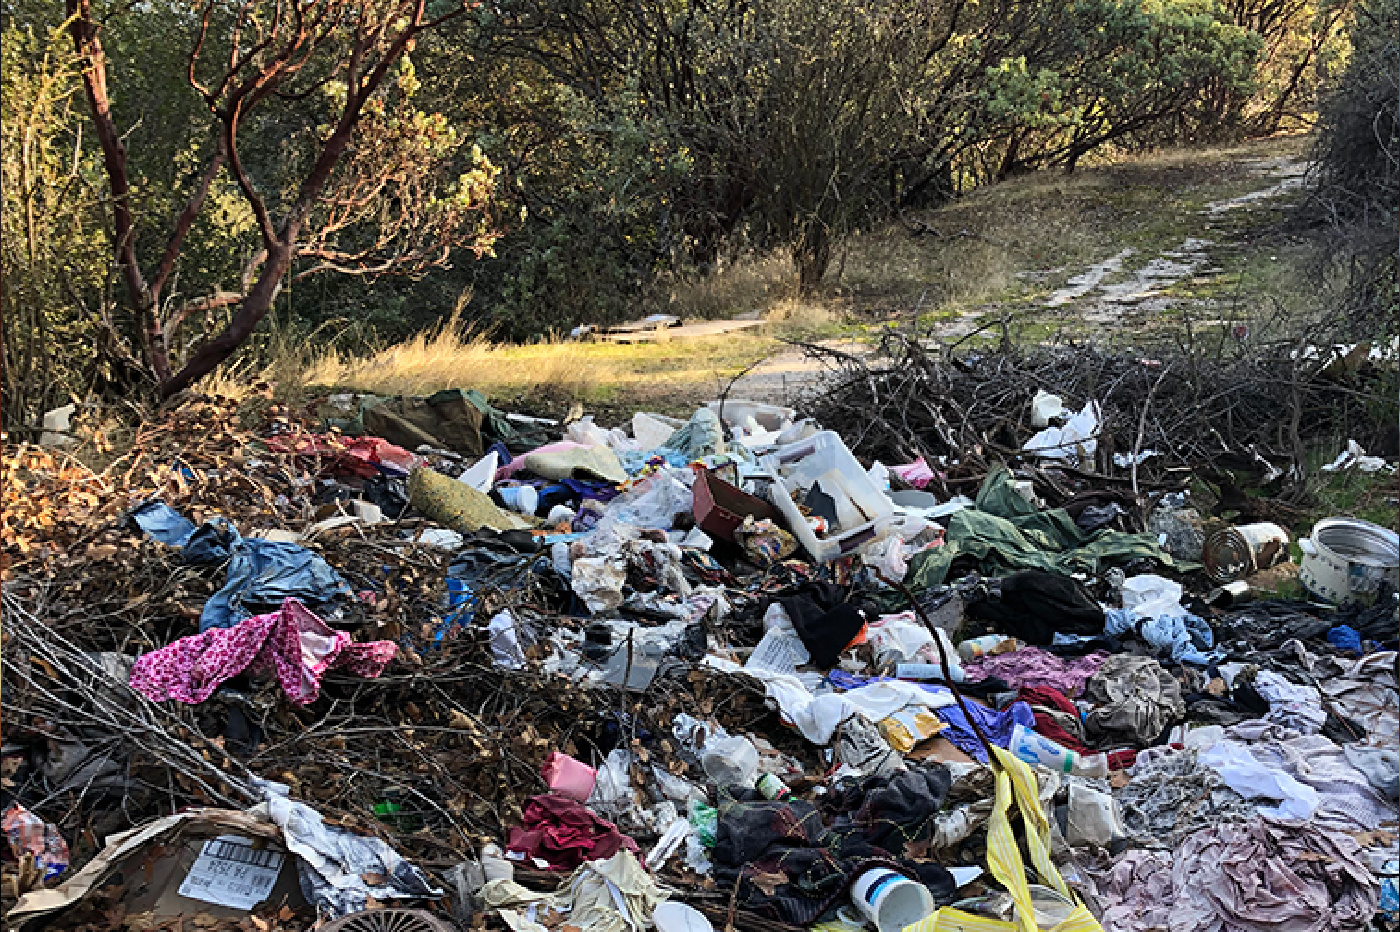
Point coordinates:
[[997, 725], [1031, 666]]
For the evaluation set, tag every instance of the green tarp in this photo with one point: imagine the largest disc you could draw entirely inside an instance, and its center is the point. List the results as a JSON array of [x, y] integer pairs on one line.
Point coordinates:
[[1005, 533]]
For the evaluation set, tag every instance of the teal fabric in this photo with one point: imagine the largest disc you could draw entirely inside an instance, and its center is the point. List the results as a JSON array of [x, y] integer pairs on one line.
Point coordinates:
[[1005, 533]]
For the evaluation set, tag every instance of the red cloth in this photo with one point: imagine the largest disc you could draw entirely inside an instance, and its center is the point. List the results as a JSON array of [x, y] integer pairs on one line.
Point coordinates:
[[362, 457], [563, 833], [1040, 698]]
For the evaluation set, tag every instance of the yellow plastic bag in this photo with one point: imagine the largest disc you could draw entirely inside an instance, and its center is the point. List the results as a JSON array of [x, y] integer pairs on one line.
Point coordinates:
[[1015, 782]]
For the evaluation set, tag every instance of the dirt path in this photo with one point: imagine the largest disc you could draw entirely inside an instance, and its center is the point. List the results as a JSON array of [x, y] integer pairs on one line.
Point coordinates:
[[1118, 290]]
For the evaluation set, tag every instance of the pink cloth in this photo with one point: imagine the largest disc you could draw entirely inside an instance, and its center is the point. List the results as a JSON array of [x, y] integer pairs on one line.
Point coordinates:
[[918, 474], [518, 463], [297, 645], [1033, 667]]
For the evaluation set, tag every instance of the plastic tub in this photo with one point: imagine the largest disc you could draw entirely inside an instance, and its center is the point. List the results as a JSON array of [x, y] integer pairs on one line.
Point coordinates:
[[863, 510], [890, 900]]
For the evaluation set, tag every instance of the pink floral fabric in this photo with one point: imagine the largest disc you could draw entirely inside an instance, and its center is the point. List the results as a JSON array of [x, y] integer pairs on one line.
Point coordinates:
[[298, 646]]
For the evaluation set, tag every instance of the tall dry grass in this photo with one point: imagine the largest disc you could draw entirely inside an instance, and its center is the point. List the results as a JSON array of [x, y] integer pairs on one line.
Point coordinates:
[[452, 356]]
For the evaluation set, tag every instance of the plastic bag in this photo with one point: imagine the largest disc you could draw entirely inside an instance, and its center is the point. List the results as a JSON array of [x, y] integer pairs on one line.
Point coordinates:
[[598, 581], [730, 760], [652, 503]]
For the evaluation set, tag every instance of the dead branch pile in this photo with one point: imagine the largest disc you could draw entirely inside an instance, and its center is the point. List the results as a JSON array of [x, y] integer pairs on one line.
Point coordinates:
[[916, 397]]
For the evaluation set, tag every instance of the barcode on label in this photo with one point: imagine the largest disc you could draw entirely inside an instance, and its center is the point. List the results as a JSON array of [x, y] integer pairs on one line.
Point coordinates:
[[243, 854]]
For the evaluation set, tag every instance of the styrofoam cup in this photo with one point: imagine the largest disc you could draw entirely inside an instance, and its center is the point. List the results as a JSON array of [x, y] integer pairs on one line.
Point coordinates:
[[891, 900]]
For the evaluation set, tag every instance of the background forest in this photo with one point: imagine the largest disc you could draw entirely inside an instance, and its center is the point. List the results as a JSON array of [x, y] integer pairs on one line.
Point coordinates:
[[177, 176]]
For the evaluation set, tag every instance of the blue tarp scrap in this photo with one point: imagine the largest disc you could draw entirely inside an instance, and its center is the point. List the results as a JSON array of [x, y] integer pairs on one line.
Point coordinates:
[[261, 573]]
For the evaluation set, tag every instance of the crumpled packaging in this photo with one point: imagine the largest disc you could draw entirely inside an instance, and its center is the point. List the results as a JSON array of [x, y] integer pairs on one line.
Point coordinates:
[[598, 581]]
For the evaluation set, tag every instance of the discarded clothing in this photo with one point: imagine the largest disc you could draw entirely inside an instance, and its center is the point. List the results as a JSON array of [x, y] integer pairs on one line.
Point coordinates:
[[1057, 718], [1136, 892], [1135, 700], [1172, 796], [1345, 638], [1034, 606], [1252, 780], [788, 864], [1381, 767], [1266, 624], [563, 833], [823, 618], [262, 574], [997, 725], [339, 870], [1272, 874], [1005, 533], [1348, 801], [1366, 692], [1182, 638], [293, 642], [1031, 666], [612, 895]]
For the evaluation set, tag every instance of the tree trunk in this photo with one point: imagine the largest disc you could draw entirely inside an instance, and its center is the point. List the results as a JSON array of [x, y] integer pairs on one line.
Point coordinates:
[[812, 255], [250, 313]]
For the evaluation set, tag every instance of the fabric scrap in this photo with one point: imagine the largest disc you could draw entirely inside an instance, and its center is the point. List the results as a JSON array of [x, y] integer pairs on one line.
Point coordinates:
[[295, 644], [1135, 699], [563, 833], [1033, 667], [1271, 874]]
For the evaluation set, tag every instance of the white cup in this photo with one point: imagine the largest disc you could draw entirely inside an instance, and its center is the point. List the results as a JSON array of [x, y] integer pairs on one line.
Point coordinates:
[[891, 900]]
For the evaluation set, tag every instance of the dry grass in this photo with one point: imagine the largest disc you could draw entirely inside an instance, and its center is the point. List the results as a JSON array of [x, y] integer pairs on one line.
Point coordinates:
[[451, 357]]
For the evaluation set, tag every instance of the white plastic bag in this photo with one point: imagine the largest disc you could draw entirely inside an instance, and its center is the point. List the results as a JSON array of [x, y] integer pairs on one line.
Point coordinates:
[[598, 581], [1045, 406], [1079, 435], [730, 760], [652, 503]]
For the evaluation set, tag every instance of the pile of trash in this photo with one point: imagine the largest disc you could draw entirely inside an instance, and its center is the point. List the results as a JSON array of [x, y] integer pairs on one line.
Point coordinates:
[[417, 663]]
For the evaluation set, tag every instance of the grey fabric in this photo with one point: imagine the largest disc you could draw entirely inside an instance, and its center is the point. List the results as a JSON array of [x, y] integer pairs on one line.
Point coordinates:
[[1380, 765], [1268, 875], [1172, 796], [1134, 698], [1349, 801]]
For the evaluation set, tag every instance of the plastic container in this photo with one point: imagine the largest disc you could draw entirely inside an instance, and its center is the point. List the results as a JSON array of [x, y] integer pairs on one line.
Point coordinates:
[[521, 498], [890, 900], [730, 760], [861, 506], [671, 916], [973, 648], [720, 507], [1034, 748]]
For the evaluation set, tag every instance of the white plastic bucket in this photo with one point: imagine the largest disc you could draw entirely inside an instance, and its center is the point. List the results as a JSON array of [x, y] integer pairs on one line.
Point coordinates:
[[891, 900]]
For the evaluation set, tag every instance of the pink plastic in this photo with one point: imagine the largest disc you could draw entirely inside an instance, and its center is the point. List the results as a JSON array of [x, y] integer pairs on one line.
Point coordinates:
[[568, 777]]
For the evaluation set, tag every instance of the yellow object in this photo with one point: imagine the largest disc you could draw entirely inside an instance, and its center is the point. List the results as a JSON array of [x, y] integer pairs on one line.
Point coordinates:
[[907, 728], [1015, 783], [457, 505]]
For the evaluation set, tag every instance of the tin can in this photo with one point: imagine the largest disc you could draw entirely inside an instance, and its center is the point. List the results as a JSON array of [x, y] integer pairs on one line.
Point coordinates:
[[1242, 551]]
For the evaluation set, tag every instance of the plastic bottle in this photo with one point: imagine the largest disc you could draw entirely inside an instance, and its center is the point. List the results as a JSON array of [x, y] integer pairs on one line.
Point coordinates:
[[973, 648], [1037, 749]]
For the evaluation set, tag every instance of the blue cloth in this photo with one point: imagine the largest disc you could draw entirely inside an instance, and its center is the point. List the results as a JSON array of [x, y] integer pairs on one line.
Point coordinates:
[[1184, 638], [261, 573], [997, 724], [1345, 638]]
